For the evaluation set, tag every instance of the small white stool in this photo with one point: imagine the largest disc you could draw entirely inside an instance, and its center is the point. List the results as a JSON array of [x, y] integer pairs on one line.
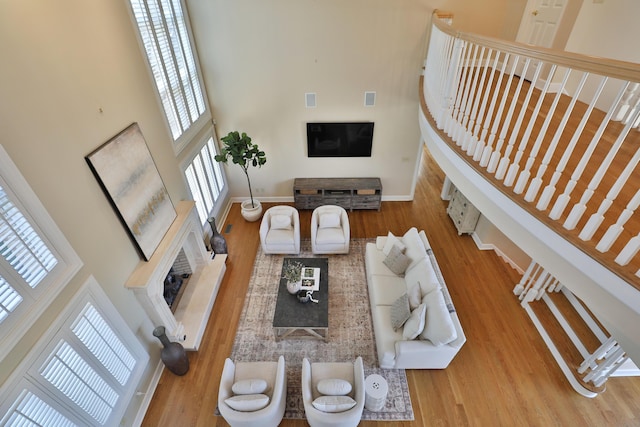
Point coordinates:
[[376, 389]]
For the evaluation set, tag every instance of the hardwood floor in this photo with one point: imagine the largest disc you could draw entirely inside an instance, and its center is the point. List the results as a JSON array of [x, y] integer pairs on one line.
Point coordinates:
[[504, 375]]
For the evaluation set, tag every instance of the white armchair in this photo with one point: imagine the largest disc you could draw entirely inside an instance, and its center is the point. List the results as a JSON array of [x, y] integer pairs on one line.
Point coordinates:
[[330, 231], [251, 374], [332, 414], [280, 230]]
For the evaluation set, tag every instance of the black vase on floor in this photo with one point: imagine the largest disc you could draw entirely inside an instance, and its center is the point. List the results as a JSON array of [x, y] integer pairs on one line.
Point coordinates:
[[218, 242], [173, 354]]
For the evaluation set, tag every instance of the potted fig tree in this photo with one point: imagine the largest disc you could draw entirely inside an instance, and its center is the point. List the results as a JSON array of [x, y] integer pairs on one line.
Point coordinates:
[[239, 148]]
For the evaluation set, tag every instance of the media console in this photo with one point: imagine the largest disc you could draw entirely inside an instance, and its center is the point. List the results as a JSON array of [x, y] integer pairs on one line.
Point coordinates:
[[350, 193]]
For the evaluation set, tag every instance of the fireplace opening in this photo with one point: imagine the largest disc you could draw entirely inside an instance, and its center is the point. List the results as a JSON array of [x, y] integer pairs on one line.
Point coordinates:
[[176, 280]]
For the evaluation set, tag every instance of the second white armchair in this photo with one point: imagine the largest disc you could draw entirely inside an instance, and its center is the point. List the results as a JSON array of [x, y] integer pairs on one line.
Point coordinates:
[[333, 393], [330, 230]]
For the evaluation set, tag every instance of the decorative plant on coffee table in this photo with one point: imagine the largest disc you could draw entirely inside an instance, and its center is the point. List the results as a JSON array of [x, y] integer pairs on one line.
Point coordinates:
[[243, 152], [292, 272]]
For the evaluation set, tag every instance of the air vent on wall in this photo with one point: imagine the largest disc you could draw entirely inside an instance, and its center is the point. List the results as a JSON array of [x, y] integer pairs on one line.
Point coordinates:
[[369, 99], [310, 100]]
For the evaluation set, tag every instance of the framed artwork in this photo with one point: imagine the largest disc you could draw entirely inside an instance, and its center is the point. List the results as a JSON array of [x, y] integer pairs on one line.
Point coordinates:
[[127, 174]]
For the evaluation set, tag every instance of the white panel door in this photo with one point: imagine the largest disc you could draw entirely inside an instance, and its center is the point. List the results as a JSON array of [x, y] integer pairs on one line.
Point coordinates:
[[540, 22], [538, 27]]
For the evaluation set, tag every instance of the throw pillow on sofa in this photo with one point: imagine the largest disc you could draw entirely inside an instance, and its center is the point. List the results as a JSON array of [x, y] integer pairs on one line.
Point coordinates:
[[439, 328], [393, 240], [397, 261], [415, 295], [415, 324], [400, 312], [415, 248], [421, 272]]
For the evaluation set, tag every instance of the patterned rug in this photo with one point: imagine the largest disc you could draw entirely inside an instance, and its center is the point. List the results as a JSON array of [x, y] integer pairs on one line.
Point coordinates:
[[350, 329]]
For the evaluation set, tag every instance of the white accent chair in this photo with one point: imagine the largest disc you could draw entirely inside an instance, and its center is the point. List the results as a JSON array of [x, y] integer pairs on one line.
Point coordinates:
[[280, 230], [274, 373], [313, 373], [330, 231]]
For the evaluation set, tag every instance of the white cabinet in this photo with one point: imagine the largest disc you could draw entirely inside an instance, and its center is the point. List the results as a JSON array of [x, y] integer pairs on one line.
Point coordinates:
[[462, 212]]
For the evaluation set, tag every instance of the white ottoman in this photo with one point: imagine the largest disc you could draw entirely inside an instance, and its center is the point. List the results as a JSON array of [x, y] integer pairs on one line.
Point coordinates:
[[376, 389]]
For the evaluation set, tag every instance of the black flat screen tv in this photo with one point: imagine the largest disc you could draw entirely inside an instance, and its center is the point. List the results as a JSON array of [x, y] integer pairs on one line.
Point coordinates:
[[339, 139]]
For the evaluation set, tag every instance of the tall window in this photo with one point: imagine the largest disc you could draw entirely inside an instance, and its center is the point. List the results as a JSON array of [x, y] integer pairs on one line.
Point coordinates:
[[165, 37], [83, 374], [164, 32], [36, 261], [205, 179]]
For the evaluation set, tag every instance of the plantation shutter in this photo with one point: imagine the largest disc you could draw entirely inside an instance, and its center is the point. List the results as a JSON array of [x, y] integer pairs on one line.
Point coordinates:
[[24, 251], [9, 299], [85, 374], [205, 180], [21, 245], [33, 411], [167, 45]]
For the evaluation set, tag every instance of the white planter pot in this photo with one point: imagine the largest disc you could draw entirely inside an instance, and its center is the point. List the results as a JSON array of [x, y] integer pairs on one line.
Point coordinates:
[[250, 213], [294, 287]]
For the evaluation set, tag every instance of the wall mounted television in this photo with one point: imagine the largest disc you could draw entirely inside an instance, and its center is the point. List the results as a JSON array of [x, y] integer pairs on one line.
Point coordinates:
[[339, 139]]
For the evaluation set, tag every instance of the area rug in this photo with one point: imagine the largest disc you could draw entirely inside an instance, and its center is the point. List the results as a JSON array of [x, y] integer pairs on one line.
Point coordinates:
[[350, 329]]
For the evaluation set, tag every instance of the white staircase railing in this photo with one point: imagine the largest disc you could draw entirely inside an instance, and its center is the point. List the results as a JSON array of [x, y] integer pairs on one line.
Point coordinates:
[[598, 365], [558, 131]]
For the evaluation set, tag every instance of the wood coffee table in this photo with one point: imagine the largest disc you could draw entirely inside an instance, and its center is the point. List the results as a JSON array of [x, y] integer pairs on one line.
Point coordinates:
[[294, 319]]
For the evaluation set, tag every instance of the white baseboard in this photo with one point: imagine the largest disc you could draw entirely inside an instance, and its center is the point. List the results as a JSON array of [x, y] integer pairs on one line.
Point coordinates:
[[490, 247], [627, 369], [148, 395]]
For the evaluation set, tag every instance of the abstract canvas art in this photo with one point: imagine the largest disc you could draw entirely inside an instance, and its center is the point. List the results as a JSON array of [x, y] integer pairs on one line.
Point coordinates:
[[128, 175]]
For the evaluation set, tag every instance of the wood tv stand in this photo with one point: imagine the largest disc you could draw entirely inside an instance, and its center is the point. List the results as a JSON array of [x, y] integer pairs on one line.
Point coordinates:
[[350, 193]]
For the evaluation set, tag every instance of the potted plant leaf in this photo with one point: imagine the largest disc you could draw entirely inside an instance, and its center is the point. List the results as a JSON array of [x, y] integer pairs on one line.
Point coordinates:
[[243, 152], [291, 271]]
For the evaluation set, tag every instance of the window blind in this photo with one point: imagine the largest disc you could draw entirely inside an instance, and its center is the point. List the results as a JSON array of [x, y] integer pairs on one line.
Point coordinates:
[[20, 244], [9, 299], [205, 180], [165, 38], [30, 410], [83, 371], [24, 251], [84, 378], [94, 332]]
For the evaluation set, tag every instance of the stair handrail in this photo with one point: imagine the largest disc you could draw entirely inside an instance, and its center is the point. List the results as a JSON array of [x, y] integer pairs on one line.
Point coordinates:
[[455, 61], [594, 64]]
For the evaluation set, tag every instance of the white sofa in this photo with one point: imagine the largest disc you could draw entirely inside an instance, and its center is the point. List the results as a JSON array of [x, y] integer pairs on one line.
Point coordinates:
[[442, 336]]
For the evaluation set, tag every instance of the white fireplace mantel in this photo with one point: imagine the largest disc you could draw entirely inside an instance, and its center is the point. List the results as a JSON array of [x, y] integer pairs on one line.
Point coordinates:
[[188, 322]]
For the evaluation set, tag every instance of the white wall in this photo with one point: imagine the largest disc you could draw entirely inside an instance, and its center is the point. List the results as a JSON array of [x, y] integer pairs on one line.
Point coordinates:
[[488, 236], [260, 58], [608, 29]]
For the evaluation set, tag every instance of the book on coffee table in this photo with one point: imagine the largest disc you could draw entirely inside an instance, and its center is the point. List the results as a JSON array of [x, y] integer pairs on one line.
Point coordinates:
[[310, 279]]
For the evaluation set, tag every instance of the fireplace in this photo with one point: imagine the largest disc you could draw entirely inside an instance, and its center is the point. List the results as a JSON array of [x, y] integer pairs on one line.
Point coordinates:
[[187, 320]]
